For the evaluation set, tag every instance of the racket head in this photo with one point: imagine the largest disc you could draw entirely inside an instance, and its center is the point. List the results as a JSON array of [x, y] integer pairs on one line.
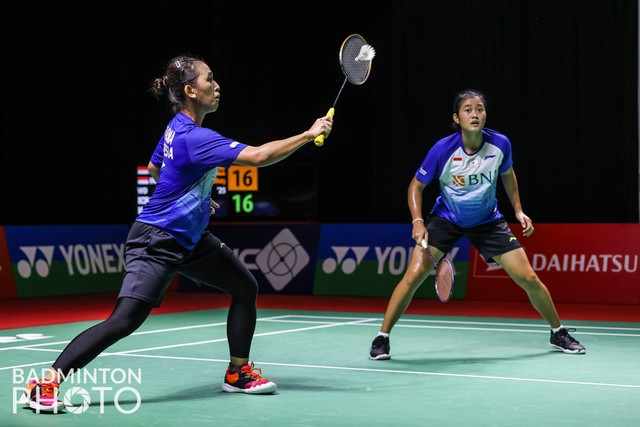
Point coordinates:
[[444, 280], [356, 72]]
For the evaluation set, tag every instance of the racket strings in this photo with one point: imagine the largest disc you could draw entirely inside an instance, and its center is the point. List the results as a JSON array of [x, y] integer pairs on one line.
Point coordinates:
[[444, 274], [355, 71], [444, 280]]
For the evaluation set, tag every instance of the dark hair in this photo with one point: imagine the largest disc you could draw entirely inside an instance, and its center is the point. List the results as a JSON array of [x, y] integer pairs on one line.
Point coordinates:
[[465, 94], [180, 71]]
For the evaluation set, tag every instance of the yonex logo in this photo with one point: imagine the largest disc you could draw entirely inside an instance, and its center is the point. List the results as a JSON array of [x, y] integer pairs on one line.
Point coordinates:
[[38, 258], [385, 259], [348, 265], [79, 259], [282, 259]]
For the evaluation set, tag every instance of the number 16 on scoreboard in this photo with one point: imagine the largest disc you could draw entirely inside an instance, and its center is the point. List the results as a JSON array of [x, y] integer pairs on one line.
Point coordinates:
[[242, 179]]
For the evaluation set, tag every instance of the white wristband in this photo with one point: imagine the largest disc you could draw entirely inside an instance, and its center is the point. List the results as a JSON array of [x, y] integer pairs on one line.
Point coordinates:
[[417, 219]]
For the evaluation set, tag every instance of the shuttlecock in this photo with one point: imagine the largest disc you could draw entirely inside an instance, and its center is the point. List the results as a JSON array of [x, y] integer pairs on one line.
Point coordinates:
[[367, 52]]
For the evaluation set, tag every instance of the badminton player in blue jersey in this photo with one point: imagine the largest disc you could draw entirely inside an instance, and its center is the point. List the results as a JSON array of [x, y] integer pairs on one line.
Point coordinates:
[[467, 165], [169, 236]]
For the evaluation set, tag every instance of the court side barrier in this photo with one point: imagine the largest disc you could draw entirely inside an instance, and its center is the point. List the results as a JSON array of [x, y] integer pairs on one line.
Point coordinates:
[[585, 263], [579, 263], [40, 261]]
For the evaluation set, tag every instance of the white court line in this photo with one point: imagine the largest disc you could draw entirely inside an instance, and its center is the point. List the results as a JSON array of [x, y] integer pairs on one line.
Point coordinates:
[[154, 331], [543, 328], [354, 321], [255, 335], [127, 352], [182, 328], [455, 322], [6, 368], [396, 371]]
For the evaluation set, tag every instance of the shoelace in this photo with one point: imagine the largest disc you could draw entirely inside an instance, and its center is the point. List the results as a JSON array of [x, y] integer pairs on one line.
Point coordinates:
[[48, 389], [379, 340], [249, 370], [568, 338]]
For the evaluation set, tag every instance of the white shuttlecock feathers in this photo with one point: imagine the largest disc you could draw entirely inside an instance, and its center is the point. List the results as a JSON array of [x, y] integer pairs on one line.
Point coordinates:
[[367, 52]]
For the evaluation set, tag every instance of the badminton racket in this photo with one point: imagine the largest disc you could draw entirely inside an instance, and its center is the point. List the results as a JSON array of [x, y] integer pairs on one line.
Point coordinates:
[[444, 275], [355, 61]]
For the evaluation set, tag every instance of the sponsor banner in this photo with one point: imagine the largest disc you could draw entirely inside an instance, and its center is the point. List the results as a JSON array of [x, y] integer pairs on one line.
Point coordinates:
[[7, 285], [579, 263], [63, 260], [279, 255], [370, 260]]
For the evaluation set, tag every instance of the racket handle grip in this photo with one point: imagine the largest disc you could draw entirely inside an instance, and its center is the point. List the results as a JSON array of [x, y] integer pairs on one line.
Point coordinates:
[[319, 141], [423, 243]]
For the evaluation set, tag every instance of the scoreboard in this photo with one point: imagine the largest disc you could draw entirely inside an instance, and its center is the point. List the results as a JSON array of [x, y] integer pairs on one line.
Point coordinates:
[[286, 192], [236, 185]]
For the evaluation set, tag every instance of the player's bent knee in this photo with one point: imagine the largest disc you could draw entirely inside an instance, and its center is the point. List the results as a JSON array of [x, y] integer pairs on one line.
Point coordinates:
[[530, 281]]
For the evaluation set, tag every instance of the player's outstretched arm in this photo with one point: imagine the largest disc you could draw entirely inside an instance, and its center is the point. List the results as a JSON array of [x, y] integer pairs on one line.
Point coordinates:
[[275, 151]]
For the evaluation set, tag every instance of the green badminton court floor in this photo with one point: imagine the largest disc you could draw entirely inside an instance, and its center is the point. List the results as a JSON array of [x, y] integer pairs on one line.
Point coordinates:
[[444, 371]]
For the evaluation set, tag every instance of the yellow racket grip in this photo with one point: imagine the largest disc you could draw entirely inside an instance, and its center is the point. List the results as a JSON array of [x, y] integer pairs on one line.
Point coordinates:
[[319, 141]]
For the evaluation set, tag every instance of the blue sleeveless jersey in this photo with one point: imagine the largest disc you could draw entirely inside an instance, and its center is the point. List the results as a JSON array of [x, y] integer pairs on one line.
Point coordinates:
[[188, 157], [468, 182]]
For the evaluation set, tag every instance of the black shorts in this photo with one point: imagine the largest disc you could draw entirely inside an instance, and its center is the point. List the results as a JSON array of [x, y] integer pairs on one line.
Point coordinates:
[[490, 239], [153, 258]]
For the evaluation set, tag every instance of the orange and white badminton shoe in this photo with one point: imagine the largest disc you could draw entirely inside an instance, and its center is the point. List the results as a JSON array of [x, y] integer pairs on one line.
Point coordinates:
[[247, 379], [41, 396]]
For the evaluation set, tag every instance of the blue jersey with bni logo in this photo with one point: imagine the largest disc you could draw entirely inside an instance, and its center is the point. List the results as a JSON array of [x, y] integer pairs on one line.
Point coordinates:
[[468, 182], [188, 157]]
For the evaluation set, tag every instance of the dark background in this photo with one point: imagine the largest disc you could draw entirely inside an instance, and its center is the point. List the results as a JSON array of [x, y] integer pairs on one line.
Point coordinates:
[[560, 78]]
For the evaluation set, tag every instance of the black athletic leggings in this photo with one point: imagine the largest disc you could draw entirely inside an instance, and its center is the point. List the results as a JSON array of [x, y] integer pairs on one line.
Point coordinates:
[[130, 313], [211, 263]]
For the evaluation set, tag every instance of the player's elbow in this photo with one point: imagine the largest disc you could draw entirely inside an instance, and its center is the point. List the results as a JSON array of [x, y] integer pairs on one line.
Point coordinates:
[[253, 156]]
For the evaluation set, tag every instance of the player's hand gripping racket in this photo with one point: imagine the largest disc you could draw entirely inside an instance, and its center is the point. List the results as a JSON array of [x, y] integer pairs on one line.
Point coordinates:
[[355, 60], [444, 275]]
